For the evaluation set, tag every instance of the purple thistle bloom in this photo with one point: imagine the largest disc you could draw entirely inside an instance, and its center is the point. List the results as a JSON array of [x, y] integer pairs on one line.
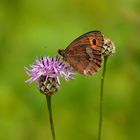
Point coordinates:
[[49, 67], [47, 72]]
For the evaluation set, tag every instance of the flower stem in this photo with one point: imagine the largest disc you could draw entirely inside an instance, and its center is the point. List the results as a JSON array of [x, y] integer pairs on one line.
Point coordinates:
[[101, 98], [50, 116]]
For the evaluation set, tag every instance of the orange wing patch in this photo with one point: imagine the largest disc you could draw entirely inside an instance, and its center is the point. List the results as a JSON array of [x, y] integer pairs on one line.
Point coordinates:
[[96, 43]]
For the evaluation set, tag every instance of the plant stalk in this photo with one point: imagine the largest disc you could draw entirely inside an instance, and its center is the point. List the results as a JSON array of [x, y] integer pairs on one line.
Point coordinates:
[[101, 99], [50, 116]]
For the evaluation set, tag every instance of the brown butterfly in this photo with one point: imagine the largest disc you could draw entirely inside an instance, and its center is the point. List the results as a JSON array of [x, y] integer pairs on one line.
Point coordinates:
[[84, 54]]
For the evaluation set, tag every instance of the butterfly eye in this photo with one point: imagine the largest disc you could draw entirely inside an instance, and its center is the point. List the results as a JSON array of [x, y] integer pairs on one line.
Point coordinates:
[[94, 41]]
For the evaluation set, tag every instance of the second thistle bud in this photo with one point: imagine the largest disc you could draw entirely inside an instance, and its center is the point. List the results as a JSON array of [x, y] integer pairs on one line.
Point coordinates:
[[48, 86], [108, 47]]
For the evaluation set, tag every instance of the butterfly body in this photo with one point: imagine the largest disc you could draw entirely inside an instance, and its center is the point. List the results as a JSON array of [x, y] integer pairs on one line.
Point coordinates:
[[84, 54]]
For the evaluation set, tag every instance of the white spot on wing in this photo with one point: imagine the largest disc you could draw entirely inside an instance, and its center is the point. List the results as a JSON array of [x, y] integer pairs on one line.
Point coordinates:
[[90, 52]]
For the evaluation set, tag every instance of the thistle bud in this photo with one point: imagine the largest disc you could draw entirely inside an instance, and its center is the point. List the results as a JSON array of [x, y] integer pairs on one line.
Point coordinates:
[[48, 86], [108, 47]]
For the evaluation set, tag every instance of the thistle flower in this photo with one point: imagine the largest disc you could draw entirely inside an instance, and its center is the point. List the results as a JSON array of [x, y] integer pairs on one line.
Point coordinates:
[[47, 73]]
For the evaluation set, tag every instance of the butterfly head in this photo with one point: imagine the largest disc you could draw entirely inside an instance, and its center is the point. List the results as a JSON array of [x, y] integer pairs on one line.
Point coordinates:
[[62, 53]]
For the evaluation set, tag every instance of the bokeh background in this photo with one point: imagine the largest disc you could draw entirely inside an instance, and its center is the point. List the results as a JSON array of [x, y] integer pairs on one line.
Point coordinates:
[[34, 28]]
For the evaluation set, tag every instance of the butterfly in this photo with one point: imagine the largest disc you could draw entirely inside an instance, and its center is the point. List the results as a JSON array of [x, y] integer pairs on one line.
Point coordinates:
[[84, 54]]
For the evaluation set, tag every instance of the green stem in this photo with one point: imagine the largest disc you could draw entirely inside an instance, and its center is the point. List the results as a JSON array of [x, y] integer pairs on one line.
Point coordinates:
[[50, 116], [101, 98]]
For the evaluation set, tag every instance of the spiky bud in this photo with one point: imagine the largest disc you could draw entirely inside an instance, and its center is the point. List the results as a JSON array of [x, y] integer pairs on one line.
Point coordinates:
[[48, 86], [108, 48]]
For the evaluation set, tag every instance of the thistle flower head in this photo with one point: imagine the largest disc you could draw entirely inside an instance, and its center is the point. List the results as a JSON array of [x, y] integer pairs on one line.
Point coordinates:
[[47, 73]]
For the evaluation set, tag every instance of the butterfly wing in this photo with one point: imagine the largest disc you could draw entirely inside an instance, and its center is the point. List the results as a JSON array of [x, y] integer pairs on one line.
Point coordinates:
[[84, 53]]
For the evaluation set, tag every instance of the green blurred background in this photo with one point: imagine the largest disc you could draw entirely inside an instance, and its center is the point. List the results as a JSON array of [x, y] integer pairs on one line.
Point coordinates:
[[30, 29]]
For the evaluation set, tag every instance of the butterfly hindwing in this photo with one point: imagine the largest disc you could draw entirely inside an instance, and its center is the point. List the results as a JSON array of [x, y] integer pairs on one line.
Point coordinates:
[[86, 62]]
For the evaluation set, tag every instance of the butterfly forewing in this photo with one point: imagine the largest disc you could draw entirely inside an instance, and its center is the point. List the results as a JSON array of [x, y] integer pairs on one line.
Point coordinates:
[[93, 39]]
